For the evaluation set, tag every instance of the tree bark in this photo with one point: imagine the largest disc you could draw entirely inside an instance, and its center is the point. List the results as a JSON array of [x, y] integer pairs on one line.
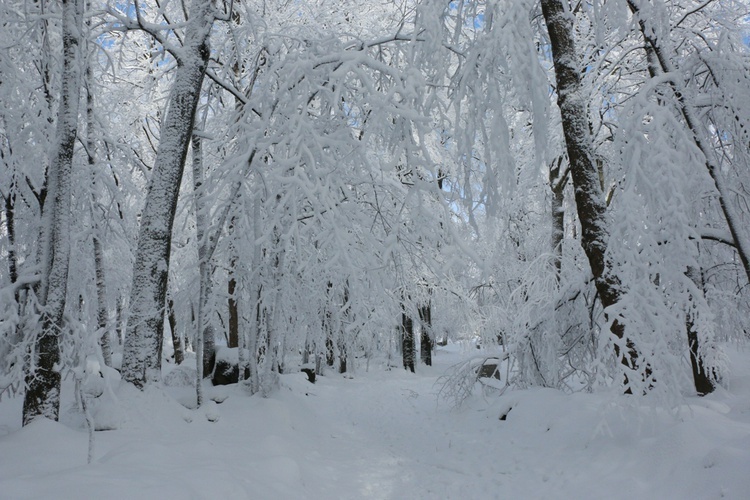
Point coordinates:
[[205, 354], [701, 378], [234, 317], [42, 396], [407, 339], [102, 314], [9, 202], [344, 341], [557, 182], [141, 363], [328, 326], [179, 353], [427, 339], [590, 203]]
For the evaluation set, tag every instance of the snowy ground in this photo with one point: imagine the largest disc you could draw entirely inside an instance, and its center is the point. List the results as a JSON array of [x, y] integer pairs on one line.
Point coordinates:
[[383, 435]]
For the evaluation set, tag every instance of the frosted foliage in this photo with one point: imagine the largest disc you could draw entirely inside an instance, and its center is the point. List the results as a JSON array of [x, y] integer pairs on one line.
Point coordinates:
[[334, 172], [360, 161], [657, 246]]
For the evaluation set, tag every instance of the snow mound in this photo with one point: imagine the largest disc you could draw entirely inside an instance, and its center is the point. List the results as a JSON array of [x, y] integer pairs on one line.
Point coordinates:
[[181, 376], [130, 408]]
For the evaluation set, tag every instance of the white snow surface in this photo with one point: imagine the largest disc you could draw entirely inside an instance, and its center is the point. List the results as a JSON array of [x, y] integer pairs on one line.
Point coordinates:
[[384, 435]]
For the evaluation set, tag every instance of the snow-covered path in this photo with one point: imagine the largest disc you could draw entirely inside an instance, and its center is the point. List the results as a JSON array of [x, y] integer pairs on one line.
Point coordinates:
[[382, 435]]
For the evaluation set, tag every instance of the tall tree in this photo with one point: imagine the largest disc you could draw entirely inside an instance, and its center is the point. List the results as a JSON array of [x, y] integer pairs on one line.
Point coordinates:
[[141, 360], [590, 203], [43, 379]]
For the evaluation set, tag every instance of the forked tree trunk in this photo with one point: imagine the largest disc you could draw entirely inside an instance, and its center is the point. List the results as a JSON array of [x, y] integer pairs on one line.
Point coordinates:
[[590, 203], [42, 396], [141, 363]]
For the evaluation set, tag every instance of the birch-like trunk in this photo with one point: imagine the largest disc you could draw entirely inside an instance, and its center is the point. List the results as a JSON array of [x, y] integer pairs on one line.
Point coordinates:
[[141, 361], [557, 182], [43, 379], [102, 315], [205, 244], [205, 332]]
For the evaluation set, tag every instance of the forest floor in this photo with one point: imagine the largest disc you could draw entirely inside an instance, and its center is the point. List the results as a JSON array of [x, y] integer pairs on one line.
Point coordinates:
[[385, 435]]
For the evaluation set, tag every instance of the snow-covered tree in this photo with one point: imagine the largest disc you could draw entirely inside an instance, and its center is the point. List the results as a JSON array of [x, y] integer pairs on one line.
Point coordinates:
[[43, 378]]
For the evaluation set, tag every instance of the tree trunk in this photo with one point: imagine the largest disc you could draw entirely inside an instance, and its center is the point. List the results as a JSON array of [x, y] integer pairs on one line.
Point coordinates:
[[205, 353], [9, 202], [328, 327], [42, 396], [141, 363], [589, 198], [344, 341], [102, 315], [427, 339], [120, 320], [179, 353], [407, 340], [701, 378], [557, 181], [234, 318]]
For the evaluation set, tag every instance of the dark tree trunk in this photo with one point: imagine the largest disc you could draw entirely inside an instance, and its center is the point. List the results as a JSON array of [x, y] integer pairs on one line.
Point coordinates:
[[328, 327], [10, 228], [342, 357], [590, 204], [330, 357], [120, 319], [343, 343], [234, 317], [407, 340], [427, 339], [701, 378]]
